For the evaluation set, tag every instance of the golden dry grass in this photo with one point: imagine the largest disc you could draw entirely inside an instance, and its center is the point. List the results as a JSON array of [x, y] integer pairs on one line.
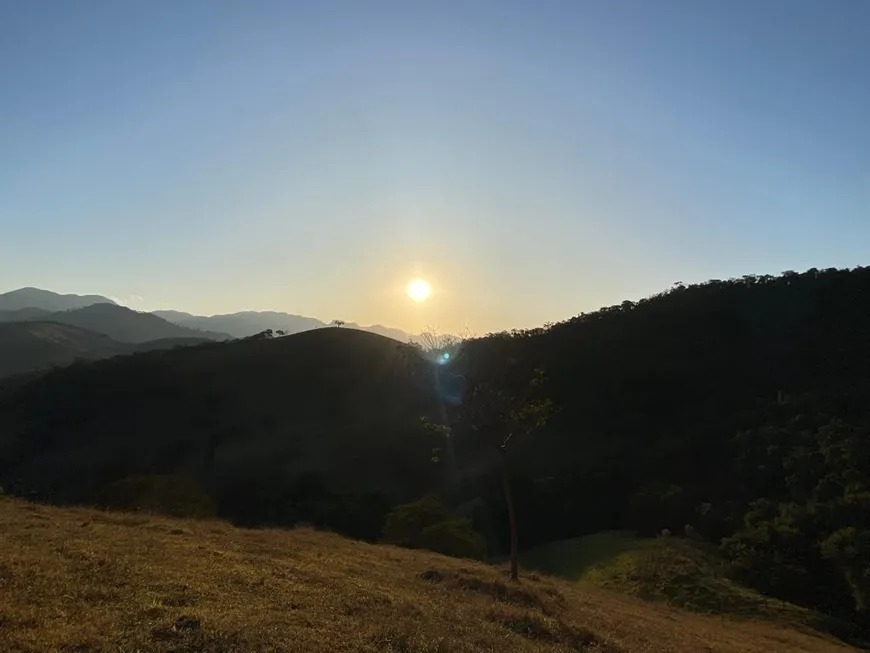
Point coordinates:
[[77, 580]]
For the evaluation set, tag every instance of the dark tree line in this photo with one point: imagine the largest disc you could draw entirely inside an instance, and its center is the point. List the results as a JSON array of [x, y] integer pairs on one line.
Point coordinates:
[[737, 410]]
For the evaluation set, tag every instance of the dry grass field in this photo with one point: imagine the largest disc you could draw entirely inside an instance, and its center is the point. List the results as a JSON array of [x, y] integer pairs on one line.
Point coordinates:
[[77, 580]]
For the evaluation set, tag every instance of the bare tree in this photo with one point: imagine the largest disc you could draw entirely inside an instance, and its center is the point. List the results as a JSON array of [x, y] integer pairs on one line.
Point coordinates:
[[432, 341]]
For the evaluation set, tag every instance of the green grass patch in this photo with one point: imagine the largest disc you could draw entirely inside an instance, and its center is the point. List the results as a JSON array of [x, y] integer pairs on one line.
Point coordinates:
[[571, 559], [682, 573], [687, 574]]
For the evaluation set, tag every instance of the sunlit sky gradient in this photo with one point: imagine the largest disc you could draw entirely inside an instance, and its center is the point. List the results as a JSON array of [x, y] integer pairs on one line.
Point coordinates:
[[531, 160]]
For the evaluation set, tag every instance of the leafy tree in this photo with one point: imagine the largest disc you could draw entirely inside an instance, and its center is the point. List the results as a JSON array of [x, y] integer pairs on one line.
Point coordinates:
[[499, 415], [849, 549]]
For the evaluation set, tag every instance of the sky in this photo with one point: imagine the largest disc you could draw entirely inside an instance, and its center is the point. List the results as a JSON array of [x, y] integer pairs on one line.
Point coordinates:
[[531, 160]]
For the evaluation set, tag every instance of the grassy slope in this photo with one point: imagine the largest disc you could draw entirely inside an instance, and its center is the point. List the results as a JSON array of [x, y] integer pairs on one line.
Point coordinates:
[[80, 580], [685, 574]]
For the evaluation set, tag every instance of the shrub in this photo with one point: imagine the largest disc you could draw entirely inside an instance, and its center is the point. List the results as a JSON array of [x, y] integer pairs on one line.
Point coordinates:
[[171, 495], [454, 538], [406, 522], [429, 524]]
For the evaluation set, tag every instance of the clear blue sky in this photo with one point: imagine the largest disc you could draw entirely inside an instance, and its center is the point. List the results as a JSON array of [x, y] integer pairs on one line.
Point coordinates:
[[531, 159]]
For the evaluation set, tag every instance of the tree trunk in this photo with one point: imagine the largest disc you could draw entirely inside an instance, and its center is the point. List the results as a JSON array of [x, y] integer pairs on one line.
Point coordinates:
[[512, 517]]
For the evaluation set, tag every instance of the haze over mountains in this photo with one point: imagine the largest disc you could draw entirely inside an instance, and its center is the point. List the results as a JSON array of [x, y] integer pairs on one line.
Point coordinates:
[[41, 328], [118, 322], [35, 303], [35, 345]]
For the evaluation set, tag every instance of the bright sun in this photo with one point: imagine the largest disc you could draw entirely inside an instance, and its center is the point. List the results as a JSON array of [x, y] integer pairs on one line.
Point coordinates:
[[418, 290]]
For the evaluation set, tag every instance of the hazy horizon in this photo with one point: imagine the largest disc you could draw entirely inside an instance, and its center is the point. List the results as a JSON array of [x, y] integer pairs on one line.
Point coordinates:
[[531, 161]]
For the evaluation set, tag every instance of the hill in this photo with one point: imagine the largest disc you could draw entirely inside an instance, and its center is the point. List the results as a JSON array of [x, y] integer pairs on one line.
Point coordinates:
[[47, 300], [81, 580], [323, 426], [29, 346], [740, 408], [26, 346], [36, 304], [244, 323], [719, 405], [23, 314], [248, 323], [126, 325]]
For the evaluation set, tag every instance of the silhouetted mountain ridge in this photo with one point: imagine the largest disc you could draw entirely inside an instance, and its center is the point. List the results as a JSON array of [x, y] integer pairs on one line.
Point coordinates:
[[47, 300], [247, 323], [37, 304], [118, 322], [35, 345], [34, 338], [126, 325]]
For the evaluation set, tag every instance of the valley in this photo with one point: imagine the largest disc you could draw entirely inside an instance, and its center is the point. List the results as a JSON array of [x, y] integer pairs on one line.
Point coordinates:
[[732, 413]]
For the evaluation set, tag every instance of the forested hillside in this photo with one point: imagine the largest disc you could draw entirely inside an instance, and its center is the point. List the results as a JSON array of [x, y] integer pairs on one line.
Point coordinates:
[[321, 426], [739, 408], [26, 346], [736, 411]]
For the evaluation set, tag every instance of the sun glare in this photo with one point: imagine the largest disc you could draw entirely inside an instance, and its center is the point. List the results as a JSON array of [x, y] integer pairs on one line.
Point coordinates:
[[418, 290]]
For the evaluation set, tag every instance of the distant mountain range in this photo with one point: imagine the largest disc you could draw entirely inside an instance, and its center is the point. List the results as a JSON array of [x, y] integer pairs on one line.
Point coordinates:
[[29, 346], [47, 301], [35, 303], [117, 322], [40, 328]]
